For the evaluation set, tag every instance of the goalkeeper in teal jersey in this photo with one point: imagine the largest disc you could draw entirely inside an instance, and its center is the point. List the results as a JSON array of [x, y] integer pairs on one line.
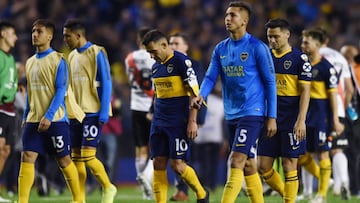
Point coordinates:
[[247, 73], [8, 87]]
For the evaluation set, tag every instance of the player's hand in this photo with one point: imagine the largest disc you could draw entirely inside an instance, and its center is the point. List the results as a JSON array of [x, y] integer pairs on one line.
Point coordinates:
[[270, 126], [300, 131], [192, 130], [149, 116], [44, 125], [23, 123], [338, 127], [196, 102]]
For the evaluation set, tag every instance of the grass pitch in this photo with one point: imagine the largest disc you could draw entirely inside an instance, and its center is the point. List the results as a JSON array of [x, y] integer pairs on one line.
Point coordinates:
[[133, 194]]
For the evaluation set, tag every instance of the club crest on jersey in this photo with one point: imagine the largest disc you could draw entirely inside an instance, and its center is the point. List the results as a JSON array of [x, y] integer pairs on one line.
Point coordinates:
[[287, 64], [188, 63], [304, 57], [244, 56], [307, 67], [170, 68], [333, 80]]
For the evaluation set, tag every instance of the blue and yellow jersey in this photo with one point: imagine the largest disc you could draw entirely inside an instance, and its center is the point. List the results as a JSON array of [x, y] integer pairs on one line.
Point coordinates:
[[292, 68], [200, 74], [47, 80], [248, 78], [171, 81], [324, 81], [91, 80]]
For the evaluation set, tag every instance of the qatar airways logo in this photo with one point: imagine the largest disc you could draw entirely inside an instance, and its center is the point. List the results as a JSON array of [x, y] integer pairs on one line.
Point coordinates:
[[234, 71]]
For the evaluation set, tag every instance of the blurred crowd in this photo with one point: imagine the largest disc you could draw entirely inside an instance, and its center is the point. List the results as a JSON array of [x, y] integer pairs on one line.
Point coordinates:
[[113, 23]]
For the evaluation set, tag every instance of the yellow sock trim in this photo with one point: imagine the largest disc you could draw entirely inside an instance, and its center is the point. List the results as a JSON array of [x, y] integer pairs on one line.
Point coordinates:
[[308, 162], [25, 181], [291, 186], [254, 188], [190, 177], [160, 186], [325, 174], [96, 167], [233, 185], [72, 181], [274, 180]]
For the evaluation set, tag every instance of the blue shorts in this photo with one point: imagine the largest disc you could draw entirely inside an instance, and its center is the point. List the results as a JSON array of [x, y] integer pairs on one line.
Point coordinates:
[[86, 133], [317, 139], [282, 144], [243, 134], [171, 142], [55, 141]]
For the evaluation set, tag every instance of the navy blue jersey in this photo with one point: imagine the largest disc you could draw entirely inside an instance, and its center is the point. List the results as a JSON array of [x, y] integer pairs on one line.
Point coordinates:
[[292, 68], [324, 80], [200, 74], [172, 90]]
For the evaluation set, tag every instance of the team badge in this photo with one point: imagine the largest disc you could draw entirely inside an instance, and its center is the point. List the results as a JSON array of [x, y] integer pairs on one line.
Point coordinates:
[[333, 80], [307, 67], [190, 72], [287, 64], [332, 71], [244, 56], [304, 57], [170, 68], [188, 63]]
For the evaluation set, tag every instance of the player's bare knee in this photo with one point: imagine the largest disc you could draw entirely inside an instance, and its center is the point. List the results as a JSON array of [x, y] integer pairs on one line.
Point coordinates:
[[262, 168], [237, 160], [178, 166], [29, 157], [289, 164], [63, 161], [160, 163]]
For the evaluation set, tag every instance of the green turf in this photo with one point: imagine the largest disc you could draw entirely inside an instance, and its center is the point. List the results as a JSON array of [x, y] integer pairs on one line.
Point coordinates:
[[132, 194]]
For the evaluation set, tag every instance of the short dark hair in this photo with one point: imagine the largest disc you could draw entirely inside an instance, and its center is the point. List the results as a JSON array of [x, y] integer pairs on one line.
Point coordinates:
[[48, 24], [242, 5], [324, 32], [153, 36], [142, 32], [184, 36], [5, 25], [75, 24], [315, 33], [278, 23]]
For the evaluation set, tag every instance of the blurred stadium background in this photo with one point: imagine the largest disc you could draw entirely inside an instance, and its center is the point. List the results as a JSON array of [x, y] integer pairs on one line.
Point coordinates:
[[113, 24]]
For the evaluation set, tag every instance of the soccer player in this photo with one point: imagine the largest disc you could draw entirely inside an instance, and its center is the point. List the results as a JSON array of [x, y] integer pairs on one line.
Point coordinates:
[[345, 93], [322, 115], [174, 123], [293, 76], [138, 67], [247, 74], [46, 124], [179, 42], [90, 80], [8, 88]]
